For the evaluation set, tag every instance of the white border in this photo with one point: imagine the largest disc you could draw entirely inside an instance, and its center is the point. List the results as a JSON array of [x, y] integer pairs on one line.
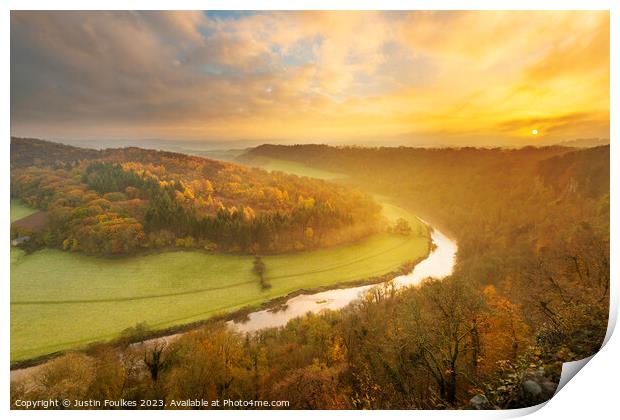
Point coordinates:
[[593, 394]]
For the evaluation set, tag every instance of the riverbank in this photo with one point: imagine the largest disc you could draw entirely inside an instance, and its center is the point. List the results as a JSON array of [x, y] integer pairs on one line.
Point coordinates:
[[237, 317]]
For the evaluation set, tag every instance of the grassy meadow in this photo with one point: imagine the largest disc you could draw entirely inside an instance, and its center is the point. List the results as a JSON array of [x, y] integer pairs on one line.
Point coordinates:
[[19, 210], [296, 168], [61, 300]]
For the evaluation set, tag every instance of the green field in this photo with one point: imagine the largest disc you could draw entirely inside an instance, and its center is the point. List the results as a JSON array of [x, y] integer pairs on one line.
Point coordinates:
[[61, 300], [296, 168], [230, 155], [19, 210]]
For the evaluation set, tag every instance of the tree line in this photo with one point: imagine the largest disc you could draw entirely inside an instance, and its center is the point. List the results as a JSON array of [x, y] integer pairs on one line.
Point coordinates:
[[131, 199]]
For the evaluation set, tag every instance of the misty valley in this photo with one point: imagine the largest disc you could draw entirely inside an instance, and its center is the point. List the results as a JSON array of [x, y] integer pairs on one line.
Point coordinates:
[[140, 273]]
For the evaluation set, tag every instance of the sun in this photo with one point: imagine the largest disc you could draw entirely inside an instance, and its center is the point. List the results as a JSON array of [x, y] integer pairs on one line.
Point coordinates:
[[534, 132]]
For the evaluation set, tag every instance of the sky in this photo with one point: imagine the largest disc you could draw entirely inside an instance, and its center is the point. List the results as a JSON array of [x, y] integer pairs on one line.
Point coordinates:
[[412, 78]]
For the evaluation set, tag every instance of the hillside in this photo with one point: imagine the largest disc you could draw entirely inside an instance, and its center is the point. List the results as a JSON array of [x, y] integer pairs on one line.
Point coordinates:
[[120, 201]]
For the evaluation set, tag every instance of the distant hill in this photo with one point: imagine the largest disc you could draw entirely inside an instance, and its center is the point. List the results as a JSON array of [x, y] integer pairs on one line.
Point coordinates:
[[34, 152], [441, 184], [122, 200], [584, 143]]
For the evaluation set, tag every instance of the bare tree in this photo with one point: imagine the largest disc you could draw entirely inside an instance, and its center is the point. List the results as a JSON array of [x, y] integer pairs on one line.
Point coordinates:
[[156, 360]]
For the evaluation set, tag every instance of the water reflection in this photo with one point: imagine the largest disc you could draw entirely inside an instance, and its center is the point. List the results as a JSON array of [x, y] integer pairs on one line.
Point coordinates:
[[439, 264]]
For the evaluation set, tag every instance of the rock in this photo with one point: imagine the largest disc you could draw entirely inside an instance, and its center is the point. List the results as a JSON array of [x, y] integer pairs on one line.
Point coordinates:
[[532, 389], [479, 402], [535, 388], [548, 389]]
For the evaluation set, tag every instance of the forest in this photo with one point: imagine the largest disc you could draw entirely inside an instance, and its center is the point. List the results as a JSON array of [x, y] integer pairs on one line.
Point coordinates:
[[529, 292], [122, 201]]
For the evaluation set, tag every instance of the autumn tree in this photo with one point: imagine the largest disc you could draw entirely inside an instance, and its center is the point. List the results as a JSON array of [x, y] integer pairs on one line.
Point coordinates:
[[447, 316]]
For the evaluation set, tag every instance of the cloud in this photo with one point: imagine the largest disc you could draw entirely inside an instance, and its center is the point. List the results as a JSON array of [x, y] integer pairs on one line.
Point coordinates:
[[308, 75]]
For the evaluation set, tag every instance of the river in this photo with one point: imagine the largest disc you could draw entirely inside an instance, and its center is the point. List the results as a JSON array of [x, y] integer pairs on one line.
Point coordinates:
[[438, 264]]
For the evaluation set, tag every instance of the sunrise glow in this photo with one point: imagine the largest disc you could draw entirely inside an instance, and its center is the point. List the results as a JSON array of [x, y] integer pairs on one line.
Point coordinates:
[[404, 78]]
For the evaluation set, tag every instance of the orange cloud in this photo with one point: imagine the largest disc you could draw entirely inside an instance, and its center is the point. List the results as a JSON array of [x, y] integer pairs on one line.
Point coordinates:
[[446, 77]]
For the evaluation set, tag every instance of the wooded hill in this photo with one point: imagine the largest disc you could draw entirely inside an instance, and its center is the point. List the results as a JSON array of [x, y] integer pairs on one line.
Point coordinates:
[[119, 201], [530, 289]]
